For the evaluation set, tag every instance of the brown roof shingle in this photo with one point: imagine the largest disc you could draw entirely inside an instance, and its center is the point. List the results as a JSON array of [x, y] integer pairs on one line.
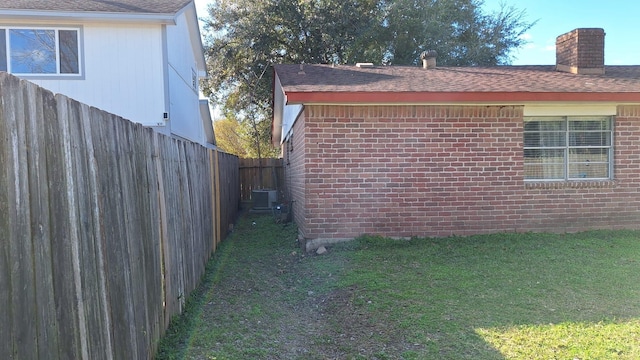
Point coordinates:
[[499, 79], [107, 6]]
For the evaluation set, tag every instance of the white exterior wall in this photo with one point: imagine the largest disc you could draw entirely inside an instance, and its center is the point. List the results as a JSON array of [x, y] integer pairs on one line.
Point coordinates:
[[138, 70], [123, 67], [184, 104]]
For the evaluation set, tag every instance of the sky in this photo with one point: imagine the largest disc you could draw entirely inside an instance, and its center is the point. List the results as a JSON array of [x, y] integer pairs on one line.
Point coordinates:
[[618, 18], [201, 8]]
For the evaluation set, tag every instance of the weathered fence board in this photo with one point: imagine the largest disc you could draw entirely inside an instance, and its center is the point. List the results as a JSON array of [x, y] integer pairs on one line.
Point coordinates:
[[6, 197], [106, 227], [229, 193], [79, 204], [44, 221], [187, 224], [23, 301], [91, 254], [61, 237], [20, 250], [258, 174], [153, 247], [104, 160], [172, 254], [46, 326]]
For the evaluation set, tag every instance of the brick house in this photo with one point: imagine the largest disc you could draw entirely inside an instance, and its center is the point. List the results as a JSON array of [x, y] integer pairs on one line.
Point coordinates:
[[436, 151]]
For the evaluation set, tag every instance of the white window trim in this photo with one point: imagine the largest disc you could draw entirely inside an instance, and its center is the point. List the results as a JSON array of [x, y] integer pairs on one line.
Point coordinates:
[[566, 148], [57, 75]]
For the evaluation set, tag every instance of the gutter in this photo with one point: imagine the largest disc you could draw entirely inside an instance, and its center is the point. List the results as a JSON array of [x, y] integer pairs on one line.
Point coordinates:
[[387, 98], [88, 16]]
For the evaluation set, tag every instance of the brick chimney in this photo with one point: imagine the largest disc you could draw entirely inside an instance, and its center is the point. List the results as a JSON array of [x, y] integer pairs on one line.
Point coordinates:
[[581, 51]]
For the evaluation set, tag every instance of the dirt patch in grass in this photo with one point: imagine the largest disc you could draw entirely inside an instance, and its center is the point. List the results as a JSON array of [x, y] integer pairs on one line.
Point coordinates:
[[352, 328], [264, 298]]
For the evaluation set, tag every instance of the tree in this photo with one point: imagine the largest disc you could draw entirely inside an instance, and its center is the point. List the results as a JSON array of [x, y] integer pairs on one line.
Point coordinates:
[[236, 138], [229, 138], [457, 29], [245, 37]]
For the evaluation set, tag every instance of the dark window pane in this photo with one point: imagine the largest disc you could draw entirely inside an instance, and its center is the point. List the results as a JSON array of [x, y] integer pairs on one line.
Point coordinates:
[[69, 52], [544, 139], [552, 126], [552, 139], [531, 139], [3, 50], [550, 155], [33, 51], [545, 133], [583, 138], [548, 124], [532, 153]]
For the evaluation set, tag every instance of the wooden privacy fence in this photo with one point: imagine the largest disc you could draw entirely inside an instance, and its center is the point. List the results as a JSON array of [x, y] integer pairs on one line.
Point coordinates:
[[272, 176], [105, 227], [228, 192]]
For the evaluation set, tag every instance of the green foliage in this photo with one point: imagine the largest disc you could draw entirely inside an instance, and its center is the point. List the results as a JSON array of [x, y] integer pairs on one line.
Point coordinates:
[[238, 138], [457, 29], [229, 138], [258, 131], [245, 37]]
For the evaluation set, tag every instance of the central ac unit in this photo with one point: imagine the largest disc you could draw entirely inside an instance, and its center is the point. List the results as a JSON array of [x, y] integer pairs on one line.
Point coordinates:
[[264, 199]]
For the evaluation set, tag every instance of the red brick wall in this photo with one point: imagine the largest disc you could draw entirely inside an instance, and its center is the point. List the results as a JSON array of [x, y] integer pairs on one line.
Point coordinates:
[[442, 170]]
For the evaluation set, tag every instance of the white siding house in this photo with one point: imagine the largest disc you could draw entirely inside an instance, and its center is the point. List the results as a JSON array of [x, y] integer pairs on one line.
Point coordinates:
[[140, 59]]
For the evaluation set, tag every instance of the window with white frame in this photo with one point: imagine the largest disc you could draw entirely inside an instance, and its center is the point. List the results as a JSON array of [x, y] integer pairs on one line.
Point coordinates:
[[568, 148], [40, 51]]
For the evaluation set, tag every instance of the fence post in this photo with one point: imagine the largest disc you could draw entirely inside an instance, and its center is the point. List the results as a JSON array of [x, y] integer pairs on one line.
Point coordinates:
[[167, 266], [218, 195], [213, 170]]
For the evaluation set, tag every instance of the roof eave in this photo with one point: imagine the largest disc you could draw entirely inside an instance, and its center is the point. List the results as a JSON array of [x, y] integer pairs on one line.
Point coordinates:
[[45, 15], [278, 102], [207, 123], [196, 39], [456, 97]]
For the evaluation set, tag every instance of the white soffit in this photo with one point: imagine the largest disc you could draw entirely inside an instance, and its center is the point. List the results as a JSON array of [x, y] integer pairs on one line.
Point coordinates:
[[85, 16], [570, 110]]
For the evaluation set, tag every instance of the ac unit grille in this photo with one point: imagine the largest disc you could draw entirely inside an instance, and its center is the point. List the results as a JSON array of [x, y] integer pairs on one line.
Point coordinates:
[[264, 199]]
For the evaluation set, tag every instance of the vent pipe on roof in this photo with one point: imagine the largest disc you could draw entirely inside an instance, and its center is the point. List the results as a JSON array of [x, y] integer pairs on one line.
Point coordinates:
[[428, 59]]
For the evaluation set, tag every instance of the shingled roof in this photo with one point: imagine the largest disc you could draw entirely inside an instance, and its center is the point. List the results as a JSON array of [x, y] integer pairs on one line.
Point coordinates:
[[327, 83], [98, 6]]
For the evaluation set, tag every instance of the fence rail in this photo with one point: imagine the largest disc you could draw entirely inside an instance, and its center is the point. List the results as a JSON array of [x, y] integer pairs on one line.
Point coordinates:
[[256, 174], [105, 227]]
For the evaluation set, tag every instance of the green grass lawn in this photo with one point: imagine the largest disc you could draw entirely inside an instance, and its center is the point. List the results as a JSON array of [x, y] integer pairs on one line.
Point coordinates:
[[503, 296]]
